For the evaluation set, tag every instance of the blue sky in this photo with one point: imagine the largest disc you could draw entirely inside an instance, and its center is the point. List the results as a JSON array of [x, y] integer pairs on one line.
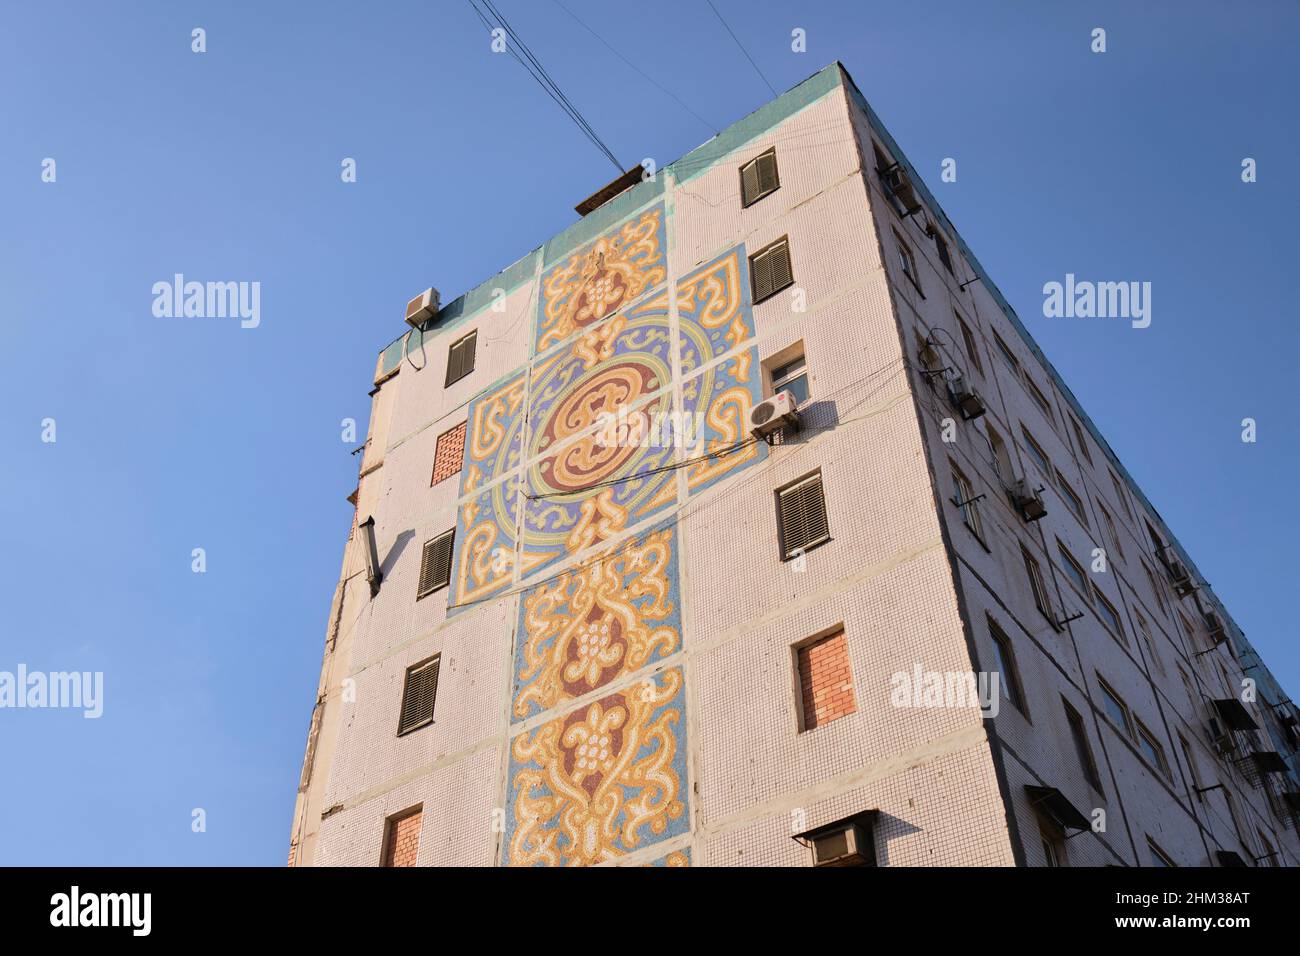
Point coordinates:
[[174, 434]]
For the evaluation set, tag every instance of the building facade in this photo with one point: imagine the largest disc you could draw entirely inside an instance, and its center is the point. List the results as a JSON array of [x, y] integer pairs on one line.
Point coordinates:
[[929, 620]]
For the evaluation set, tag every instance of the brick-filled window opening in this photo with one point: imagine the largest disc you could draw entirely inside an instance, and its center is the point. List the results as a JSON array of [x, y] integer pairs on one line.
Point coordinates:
[[402, 838], [801, 516], [759, 178], [460, 358], [435, 564], [449, 454], [825, 681], [770, 270], [419, 694]]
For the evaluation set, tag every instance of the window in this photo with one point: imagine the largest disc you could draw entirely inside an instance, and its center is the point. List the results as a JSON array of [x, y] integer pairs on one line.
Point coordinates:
[[1116, 709], [1083, 442], [402, 838], [758, 178], [1082, 749], [1193, 773], [460, 358], [1053, 843], [1007, 354], [1036, 452], [1150, 748], [1106, 611], [1073, 570], [941, 245], [1039, 398], [418, 695], [906, 261], [770, 270], [449, 453], [435, 564], [801, 516], [966, 502], [825, 681], [1012, 689], [1110, 529], [1072, 500], [972, 350], [792, 377], [1145, 630], [1001, 458], [1155, 587], [1119, 493], [1041, 598], [1158, 856]]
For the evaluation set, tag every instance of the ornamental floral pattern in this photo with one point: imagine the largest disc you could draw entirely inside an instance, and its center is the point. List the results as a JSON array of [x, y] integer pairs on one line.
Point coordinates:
[[609, 616], [601, 781], [595, 282]]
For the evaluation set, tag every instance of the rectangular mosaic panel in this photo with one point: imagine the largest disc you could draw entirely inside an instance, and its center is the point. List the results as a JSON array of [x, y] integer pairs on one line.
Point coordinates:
[[713, 310], [494, 433], [484, 559], [719, 400], [601, 278], [608, 617], [602, 781]]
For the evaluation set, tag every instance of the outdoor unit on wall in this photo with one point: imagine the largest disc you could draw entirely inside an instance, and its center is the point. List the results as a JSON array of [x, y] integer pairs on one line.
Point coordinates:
[[966, 398], [844, 846], [1215, 626], [1028, 501], [1222, 738], [773, 414], [900, 186], [1181, 577], [422, 308]]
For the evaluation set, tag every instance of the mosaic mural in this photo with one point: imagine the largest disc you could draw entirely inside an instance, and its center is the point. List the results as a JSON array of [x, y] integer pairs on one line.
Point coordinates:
[[597, 281], [606, 618], [601, 781]]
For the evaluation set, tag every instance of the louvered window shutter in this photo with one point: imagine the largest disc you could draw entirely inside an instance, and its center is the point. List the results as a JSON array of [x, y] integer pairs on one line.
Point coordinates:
[[749, 183], [802, 510], [435, 564], [780, 268], [762, 276], [767, 176], [419, 695], [460, 358]]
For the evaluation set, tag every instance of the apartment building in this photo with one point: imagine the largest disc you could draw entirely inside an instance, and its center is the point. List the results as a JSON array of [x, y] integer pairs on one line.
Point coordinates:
[[683, 540]]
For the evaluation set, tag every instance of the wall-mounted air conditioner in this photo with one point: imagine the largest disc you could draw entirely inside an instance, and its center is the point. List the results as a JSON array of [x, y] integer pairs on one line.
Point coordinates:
[[422, 308], [1215, 626], [1028, 501], [850, 846], [776, 413], [1181, 577], [966, 399], [900, 185]]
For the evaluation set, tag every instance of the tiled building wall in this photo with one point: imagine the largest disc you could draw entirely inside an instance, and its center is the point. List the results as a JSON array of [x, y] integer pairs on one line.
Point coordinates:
[[1035, 747]]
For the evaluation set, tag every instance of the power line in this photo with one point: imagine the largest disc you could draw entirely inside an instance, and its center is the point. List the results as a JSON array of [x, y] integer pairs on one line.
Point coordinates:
[[534, 68], [742, 47], [647, 76]]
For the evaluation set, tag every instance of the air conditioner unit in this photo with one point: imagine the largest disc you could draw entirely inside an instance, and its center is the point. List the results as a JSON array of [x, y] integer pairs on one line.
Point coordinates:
[[850, 846], [1215, 626], [966, 399], [1222, 739], [777, 412], [1182, 578], [900, 185], [1027, 500], [422, 308]]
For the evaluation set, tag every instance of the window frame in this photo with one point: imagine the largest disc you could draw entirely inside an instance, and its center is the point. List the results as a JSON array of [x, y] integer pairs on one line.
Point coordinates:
[[1012, 687], [1111, 696], [1072, 500], [1082, 745], [907, 261], [787, 553], [434, 662], [970, 515], [420, 591], [761, 194], [768, 250], [1038, 585], [459, 367]]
